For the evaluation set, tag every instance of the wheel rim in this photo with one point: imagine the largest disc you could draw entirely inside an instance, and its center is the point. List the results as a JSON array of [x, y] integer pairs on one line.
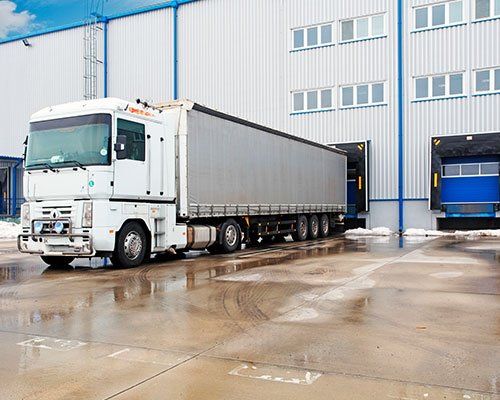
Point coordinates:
[[133, 245], [324, 225], [231, 235], [303, 228], [314, 227]]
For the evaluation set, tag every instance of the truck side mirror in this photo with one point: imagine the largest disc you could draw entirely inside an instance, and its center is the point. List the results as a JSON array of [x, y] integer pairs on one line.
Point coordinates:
[[121, 147]]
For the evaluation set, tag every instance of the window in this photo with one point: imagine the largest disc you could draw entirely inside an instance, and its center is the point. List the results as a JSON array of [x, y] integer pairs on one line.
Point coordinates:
[[489, 168], [362, 28], [439, 86], [487, 9], [488, 80], [451, 170], [457, 170], [312, 36], [347, 96], [298, 101], [136, 145], [438, 15], [469, 169], [312, 100], [362, 95]]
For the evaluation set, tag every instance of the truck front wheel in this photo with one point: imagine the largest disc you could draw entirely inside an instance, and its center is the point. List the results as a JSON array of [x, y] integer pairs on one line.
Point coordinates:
[[130, 249], [301, 229], [57, 261]]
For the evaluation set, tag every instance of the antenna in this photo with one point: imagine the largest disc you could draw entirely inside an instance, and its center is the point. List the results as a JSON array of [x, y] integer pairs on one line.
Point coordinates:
[[93, 13]]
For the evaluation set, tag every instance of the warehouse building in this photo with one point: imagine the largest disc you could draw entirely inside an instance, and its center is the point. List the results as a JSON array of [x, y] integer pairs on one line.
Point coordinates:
[[410, 89]]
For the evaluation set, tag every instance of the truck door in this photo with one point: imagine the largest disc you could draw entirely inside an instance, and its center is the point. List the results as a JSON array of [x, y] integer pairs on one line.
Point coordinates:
[[130, 173]]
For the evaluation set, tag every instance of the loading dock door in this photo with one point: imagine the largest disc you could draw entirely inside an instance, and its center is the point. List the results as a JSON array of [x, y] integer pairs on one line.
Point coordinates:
[[357, 176], [470, 180], [465, 178]]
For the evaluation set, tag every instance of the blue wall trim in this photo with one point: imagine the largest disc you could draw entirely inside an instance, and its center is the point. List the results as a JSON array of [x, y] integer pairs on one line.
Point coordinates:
[[105, 57], [435, 28], [400, 117], [175, 72], [461, 96], [319, 46], [312, 111], [362, 40]]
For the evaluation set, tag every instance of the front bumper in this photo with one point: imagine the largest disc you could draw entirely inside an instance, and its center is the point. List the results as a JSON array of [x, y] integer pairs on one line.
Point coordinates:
[[77, 245]]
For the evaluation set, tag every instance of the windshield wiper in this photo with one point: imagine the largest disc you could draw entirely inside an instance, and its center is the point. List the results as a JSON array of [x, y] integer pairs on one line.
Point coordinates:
[[77, 163], [44, 165]]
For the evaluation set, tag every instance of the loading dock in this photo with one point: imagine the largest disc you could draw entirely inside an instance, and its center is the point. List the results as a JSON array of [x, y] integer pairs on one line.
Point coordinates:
[[465, 180], [357, 182]]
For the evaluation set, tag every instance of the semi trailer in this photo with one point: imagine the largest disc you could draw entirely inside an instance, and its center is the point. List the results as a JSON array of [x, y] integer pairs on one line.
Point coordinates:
[[111, 178]]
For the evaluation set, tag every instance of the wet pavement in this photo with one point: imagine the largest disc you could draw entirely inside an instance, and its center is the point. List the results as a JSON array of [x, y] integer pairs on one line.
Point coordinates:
[[372, 318]]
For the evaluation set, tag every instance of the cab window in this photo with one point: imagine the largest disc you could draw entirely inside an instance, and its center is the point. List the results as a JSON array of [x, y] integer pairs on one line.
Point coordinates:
[[136, 144]]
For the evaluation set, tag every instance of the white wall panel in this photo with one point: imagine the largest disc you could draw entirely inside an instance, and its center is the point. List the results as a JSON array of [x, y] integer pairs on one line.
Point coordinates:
[[457, 48], [140, 56], [234, 55], [48, 72]]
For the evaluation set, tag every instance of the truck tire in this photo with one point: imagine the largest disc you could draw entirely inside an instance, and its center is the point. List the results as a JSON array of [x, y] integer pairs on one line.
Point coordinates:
[[230, 236], [131, 246], [313, 227], [57, 261], [324, 226], [301, 229]]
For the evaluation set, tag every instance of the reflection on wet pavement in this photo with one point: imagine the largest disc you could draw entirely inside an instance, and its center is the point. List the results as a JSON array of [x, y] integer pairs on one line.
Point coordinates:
[[369, 318]]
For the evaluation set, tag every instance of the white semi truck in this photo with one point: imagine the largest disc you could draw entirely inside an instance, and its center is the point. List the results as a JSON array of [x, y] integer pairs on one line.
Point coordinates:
[[110, 178]]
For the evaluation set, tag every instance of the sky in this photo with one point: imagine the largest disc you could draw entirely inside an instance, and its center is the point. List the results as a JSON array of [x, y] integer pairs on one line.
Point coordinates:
[[27, 16]]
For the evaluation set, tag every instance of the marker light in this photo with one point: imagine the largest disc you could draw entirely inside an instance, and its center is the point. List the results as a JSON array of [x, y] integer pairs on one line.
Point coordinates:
[[38, 226], [25, 215], [59, 227], [87, 215]]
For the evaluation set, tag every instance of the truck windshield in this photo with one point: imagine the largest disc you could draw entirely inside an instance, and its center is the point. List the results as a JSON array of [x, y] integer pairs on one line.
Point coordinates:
[[69, 142]]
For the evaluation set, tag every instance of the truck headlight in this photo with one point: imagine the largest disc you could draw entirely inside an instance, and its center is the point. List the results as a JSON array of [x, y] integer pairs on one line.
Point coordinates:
[[87, 215], [37, 227], [25, 215], [59, 227]]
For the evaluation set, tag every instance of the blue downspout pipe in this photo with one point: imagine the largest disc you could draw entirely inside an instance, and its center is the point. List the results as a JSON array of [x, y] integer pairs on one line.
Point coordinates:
[[400, 118], [105, 57], [175, 90]]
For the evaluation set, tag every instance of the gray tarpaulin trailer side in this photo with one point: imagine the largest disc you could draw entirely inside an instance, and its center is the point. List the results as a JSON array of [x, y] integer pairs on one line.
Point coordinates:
[[236, 167]]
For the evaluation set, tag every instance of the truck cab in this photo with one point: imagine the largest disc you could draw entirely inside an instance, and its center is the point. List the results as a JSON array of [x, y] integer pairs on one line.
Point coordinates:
[[99, 176]]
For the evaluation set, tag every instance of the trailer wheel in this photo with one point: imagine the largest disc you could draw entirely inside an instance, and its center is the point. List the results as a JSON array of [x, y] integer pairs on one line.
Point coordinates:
[[57, 261], [313, 227], [301, 230], [230, 236], [324, 225], [130, 249]]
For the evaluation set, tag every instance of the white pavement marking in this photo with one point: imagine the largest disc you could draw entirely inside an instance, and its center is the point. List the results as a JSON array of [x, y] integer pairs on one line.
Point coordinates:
[[52, 344], [270, 373], [446, 274], [148, 356]]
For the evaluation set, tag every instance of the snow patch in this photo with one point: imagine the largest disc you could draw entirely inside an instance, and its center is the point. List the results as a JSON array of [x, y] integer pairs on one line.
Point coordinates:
[[9, 230], [477, 233], [379, 231], [299, 314]]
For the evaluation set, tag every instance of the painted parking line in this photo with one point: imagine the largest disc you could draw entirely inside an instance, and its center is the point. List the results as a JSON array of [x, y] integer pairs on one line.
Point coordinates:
[[140, 355], [52, 343], [276, 374]]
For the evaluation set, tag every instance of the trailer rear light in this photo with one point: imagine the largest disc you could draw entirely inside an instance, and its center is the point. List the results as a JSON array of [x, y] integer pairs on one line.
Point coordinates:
[[87, 215]]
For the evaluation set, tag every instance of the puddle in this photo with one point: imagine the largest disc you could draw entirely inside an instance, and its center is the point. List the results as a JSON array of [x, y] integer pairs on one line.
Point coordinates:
[[447, 274]]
